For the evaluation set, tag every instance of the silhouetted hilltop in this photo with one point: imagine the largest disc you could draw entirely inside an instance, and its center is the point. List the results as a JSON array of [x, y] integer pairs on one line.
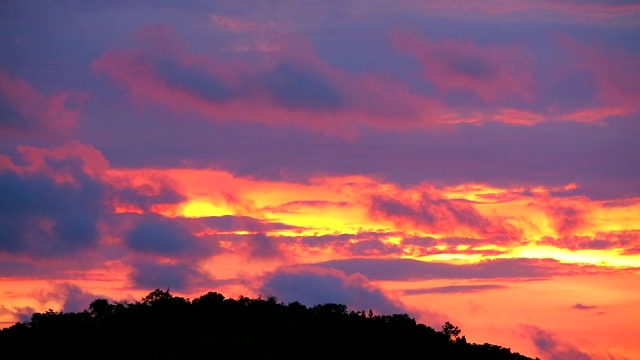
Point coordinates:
[[163, 326]]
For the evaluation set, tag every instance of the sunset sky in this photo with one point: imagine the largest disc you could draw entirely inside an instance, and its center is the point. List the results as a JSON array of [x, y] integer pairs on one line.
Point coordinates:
[[472, 162]]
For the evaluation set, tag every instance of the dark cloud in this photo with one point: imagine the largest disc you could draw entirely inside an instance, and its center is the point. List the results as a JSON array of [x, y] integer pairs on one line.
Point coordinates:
[[301, 88], [145, 196], [178, 276], [409, 269], [420, 241], [160, 235], [579, 306], [195, 81], [76, 299], [255, 245], [475, 67], [53, 199], [373, 248], [42, 218], [454, 289], [344, 240], [263, 246], [314, 285], [325, 240]]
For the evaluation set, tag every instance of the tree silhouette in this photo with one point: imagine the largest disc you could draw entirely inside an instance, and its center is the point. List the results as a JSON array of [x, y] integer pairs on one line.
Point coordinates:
[[451, 331], [164, 326]]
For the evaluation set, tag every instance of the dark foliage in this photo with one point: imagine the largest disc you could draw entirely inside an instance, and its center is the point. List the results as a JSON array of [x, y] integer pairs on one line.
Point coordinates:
[[163, 326]]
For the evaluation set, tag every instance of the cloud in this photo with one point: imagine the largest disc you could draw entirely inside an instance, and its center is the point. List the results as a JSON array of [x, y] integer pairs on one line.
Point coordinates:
[[232, 223], [54, 199], [326, 240], [76, 298], [454, 289], [604, 171], [364, 243], [568, 214], [294, 207], [430, 212], [315, 285], [27, 113], [302, 88], [291, 87], [373, 248], [615, 80], [579, 306], [263, 246], [45, 219], [627, 241], [196, 81], [150, 274], [159, 235], [491, 72], [409, 269], [552, 347], [21, 314], [565, 11]]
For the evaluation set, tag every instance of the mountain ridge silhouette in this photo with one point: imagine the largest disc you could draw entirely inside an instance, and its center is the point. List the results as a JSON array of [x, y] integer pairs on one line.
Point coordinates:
[[163, 326]]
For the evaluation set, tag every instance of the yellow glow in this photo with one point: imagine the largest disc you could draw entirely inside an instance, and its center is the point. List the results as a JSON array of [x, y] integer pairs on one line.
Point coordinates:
[[342, 205], [452, 258], [199, 208], [594, 257]]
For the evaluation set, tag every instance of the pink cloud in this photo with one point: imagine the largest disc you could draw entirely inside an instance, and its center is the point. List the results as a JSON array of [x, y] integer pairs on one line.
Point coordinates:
[[615, 73], [37, 160], [77, 164], [594, 114], [566, 218], [430, 211], [290, 86], [518, 117], [493, 73], [35, 113]]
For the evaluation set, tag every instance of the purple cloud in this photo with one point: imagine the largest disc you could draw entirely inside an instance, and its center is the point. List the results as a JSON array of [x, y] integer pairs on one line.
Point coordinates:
[[76, 298], [159, 235], [301, 88], [409, 269], [454, 289], [314, 285], [54, 198], [579, 306], [180, 276], [552, 347]]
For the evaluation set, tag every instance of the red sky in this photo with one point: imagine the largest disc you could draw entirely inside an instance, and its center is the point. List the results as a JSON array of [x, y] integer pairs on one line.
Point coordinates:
[[471, 162]]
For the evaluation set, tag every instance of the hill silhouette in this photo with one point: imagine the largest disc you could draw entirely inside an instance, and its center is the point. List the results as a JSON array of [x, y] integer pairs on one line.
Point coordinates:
[[163, 326]]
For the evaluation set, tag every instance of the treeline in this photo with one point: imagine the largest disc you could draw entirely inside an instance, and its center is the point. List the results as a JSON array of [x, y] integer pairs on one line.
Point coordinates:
[[163, 326]]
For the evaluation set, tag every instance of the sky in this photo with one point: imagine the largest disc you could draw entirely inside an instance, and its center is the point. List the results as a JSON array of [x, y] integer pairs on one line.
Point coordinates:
[[476, 162]]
